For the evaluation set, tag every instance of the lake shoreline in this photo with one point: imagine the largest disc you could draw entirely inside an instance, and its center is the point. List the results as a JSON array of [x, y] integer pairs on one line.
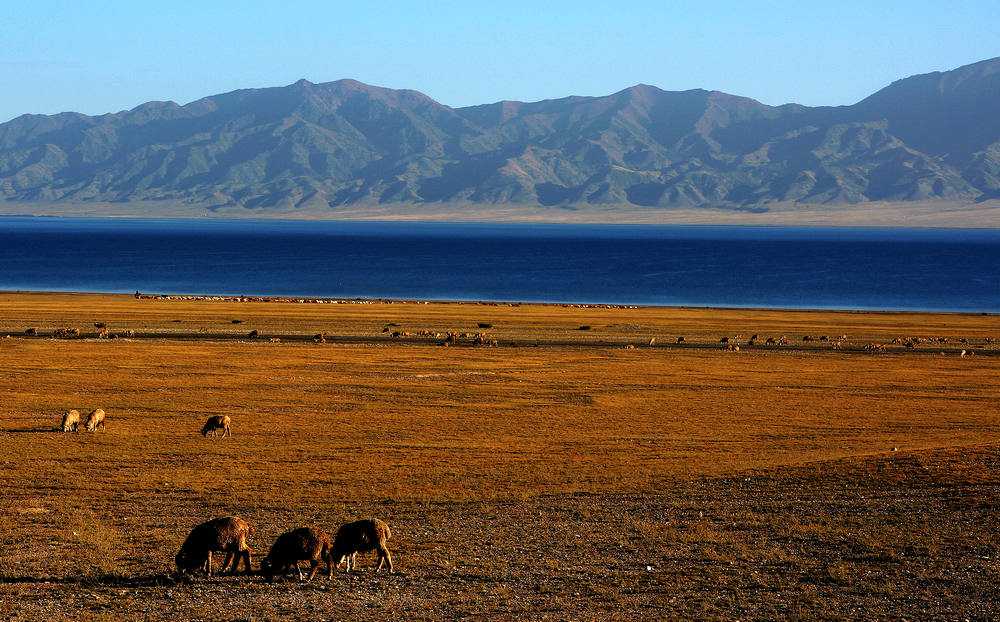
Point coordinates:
[[334, 300]]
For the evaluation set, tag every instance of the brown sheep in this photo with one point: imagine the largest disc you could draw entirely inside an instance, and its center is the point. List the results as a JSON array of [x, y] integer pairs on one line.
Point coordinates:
[[360, 537], [216, 423], [305, 543], [94, 420], [71, 421], [218, 534]]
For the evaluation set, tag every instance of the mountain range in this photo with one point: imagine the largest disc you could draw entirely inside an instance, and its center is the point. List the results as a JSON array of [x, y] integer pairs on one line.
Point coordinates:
[[928, 137]]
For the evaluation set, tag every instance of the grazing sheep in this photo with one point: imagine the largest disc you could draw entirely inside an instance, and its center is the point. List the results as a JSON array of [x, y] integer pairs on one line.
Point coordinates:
[[305, 543], [253, 334], [216, 423], [95, 419], [71, 421], [218, 534], [31, 332], [680, 340], [360, 537]]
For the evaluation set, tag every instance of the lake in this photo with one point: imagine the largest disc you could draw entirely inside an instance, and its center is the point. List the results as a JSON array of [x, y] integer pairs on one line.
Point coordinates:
[[777, 267]]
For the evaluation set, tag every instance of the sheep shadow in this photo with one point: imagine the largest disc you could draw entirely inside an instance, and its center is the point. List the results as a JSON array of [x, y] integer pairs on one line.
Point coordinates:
[[13, 580], [159, 579], [38, 431]]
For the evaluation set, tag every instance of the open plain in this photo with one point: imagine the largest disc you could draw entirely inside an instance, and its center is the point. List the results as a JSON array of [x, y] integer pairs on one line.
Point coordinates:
[[586, 465]]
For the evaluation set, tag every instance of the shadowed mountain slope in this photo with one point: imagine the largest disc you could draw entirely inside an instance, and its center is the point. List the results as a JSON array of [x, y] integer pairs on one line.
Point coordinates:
[[933, 136]]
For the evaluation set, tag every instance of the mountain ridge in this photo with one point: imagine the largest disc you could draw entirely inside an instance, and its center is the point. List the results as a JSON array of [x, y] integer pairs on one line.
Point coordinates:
[[346, 143]]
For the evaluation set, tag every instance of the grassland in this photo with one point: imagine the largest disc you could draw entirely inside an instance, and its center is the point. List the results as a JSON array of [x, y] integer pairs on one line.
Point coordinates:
[[557, 475]]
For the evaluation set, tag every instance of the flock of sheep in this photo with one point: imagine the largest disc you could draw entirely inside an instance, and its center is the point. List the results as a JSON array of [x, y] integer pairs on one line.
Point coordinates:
[[230, 534], [310, 544], [71, 421]]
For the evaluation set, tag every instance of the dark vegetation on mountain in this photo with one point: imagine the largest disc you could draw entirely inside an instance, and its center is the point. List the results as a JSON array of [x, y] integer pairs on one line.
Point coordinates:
[[933, 136]]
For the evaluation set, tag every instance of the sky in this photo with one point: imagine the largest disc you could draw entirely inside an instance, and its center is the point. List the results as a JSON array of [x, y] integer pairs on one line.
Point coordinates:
[[97, 57]]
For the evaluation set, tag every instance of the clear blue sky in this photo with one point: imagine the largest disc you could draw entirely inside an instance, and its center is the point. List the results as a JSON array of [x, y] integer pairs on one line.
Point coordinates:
[[96, 57]]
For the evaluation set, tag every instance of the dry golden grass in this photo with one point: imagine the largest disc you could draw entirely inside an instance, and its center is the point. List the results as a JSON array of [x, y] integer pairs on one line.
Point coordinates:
[[574, 479]]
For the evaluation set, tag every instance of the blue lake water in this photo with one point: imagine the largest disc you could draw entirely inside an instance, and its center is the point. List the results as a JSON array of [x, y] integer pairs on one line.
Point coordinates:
[[785, 267]]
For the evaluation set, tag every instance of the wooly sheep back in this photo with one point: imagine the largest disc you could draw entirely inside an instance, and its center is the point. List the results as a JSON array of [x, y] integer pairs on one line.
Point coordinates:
[[218, 534], [214, 424], [305, 543], [95, 419], [71, 421], [360, 537]]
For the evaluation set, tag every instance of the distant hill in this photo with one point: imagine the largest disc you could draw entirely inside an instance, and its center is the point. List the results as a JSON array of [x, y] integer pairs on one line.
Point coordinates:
[[928, 137]]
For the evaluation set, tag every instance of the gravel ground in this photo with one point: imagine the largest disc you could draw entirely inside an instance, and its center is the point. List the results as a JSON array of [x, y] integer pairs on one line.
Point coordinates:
[[899, 536]]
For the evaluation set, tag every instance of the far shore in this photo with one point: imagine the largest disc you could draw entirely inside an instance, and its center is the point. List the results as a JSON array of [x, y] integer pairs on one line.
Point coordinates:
[[911, 214]]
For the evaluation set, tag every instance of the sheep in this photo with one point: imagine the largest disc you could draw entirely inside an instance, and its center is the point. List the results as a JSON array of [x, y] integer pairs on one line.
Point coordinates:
[[71, 421], [305, 543], [218, 534], [360, 537], [216, 423], [95, 419]]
